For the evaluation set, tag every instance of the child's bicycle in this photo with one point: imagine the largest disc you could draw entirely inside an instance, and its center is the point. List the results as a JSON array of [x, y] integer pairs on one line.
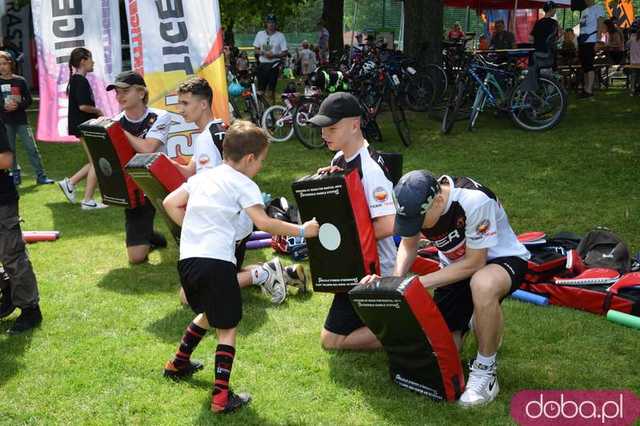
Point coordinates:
[[281, 121]]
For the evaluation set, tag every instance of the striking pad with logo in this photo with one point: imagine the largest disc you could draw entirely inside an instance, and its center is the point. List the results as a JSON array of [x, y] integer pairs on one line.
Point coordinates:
[[345, 250], [109, 150], [157, 176], [422, 354]]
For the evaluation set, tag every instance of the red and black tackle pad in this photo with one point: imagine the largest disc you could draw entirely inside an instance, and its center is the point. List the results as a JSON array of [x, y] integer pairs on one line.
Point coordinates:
[[345, 250], [422, 354], [157, 176], [110, 151]]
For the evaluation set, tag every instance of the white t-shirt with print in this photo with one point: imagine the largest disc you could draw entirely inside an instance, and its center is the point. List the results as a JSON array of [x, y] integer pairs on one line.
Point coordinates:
[[275, 43], [154, 123], [378, 190], [589, 22], [206, 154], [217, 198]]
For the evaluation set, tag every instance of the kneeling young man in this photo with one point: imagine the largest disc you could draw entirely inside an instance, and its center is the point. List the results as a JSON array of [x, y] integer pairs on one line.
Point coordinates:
[[195, 98], [483, 262], [339, 117], [207, 267], [147, 130]]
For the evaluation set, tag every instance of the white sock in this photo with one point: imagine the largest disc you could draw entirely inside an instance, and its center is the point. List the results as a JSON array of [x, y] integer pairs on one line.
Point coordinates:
[[486, 360], [259, 275]]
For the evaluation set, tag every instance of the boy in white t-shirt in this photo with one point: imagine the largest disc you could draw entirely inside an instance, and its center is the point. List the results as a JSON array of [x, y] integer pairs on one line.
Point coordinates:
[[214, 200], [307, 60], [339, 117], [195, 98]]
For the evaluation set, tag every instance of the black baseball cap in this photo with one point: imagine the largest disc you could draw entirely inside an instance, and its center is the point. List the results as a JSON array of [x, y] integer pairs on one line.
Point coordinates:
[[127, 79], [336, 107], [413, 196]]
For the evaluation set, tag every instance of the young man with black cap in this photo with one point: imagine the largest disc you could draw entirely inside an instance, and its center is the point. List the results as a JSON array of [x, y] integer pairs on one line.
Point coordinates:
[[147, 130], [482, 262], [270, 48], [339, 118], [546, 32], [22, 289]]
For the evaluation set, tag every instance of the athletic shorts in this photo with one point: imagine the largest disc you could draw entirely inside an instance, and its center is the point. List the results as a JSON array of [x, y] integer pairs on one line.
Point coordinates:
[[241, 251], [455, 301], [211, 287], [138, 224], [587, 54], [342, 318], [268, 76]]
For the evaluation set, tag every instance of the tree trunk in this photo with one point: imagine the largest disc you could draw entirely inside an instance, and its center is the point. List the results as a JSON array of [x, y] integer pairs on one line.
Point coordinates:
[[423, 30], [332, 12]]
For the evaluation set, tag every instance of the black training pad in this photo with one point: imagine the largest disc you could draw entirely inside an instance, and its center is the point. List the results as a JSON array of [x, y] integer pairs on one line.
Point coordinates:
[[383, 307]]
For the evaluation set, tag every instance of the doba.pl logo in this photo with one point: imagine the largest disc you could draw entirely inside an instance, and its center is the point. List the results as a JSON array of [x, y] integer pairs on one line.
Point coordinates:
[[575, 408]]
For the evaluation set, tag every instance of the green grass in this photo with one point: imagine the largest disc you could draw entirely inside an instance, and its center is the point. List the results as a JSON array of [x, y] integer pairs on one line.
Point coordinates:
[[109, 327]]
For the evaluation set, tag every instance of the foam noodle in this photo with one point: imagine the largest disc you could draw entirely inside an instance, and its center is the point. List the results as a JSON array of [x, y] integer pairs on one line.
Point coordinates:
[[624, 319], [259, 235], [525, 296], [257, 244], [35, 236]]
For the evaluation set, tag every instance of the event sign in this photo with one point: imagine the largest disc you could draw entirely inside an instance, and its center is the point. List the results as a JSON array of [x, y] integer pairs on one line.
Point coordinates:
[[59, 27], [172, 40]]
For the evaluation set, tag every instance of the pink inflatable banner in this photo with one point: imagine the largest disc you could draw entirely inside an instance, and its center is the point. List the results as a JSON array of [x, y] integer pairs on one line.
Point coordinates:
[[59, 27]]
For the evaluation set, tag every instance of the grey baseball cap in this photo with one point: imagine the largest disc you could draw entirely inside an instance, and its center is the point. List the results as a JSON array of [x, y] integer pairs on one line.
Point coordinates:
[[414, 195]]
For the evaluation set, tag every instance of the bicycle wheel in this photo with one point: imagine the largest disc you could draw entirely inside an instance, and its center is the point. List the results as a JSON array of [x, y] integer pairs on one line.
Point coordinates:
[[438, 79], [371, 130], [540, 109], [453, 107], [400, 120], [278, 123], [419, 93], [310, 136]]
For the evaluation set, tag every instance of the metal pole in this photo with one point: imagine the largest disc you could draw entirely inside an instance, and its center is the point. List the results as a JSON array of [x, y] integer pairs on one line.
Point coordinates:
[[466, 20], [384, 7]]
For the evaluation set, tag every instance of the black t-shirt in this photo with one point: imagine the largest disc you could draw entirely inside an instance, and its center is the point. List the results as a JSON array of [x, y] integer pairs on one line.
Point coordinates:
[[8, 191], [80, 93], [14, 88], [541, 32]]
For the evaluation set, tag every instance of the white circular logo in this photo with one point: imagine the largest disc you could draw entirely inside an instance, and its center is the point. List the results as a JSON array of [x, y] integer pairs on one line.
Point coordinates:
[[329, 236], [105, 166]]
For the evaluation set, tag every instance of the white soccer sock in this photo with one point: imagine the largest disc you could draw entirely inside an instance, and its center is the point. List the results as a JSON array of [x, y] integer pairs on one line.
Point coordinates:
[[259, 275], [486, 360]]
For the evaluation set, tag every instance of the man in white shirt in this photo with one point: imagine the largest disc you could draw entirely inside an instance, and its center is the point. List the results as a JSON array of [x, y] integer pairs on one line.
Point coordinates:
[[195, 98], [339, 117], [481, 260], [591, 20], [270, 47]]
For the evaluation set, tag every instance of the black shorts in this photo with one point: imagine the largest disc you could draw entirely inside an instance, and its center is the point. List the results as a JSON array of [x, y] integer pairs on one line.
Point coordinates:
[[342, 318], [241, 251], [268, 76], [455, 301], [587, 54], [211, 287], [138, 224]]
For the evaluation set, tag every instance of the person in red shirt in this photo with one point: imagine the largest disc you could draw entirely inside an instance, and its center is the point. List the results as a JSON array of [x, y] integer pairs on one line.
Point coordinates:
[[456, 33]]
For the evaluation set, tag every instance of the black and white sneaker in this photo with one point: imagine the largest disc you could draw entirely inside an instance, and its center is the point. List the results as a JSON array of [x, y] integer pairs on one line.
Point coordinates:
[[482, 386], [92, 205], [294, 275], [275, 285], [67, 189]]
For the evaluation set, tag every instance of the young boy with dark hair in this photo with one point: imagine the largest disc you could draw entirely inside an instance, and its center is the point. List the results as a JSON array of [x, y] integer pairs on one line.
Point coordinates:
[[214, 200], [195, 97]]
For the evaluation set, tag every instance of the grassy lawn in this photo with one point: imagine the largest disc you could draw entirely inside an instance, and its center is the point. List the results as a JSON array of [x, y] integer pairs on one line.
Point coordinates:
[[109, 327]]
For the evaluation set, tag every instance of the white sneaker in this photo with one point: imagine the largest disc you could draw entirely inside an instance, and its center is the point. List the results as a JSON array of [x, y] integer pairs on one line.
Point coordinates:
[[294, 275], [275, 285], [92, 205], [482, 386], [67, 189]]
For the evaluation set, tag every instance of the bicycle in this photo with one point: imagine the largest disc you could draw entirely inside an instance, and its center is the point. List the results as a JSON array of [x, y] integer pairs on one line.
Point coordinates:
[[501, 87], [253, 101]]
